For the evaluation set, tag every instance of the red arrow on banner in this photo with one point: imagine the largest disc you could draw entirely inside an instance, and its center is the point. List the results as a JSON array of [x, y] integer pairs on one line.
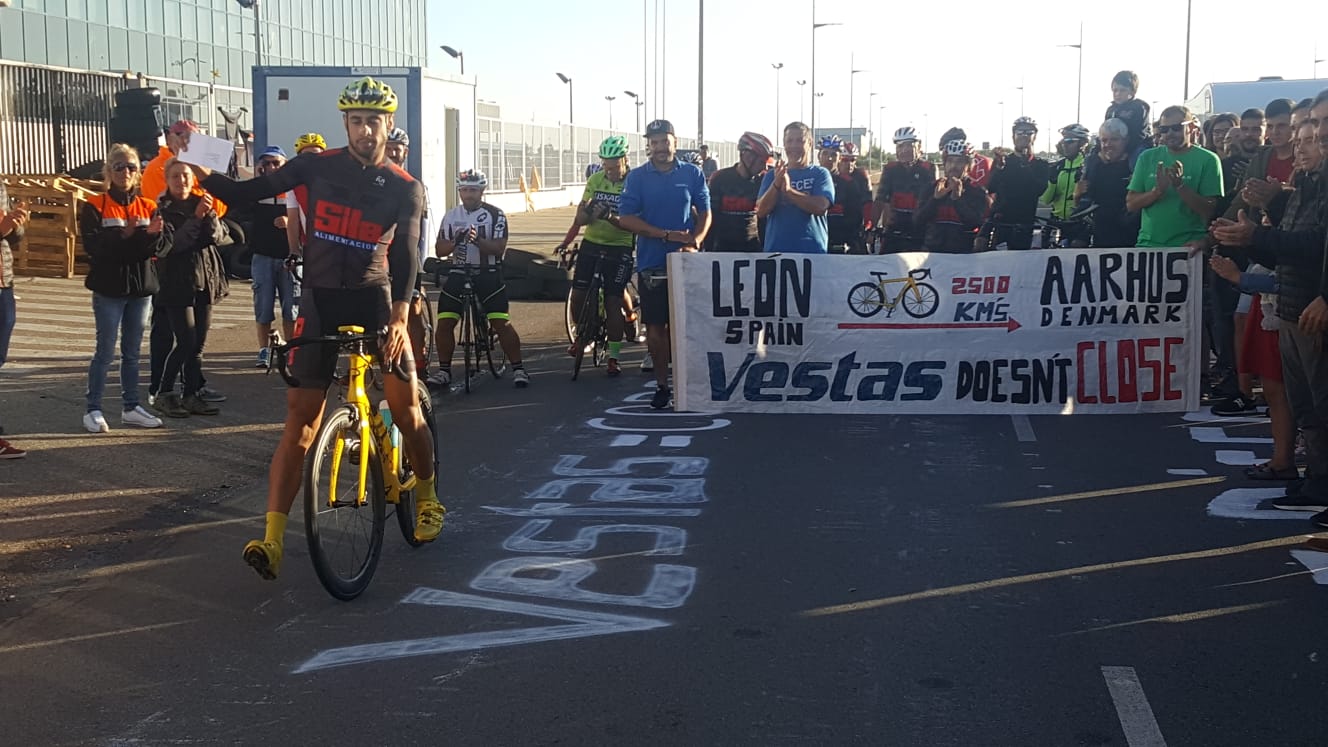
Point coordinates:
[[1009, 326]]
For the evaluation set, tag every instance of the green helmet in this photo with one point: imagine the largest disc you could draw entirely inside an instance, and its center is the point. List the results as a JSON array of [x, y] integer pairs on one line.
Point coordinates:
[[614, 147]]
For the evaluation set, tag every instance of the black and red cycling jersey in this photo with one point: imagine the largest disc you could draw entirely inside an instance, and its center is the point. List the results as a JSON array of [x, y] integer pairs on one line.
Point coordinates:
[[733, 224], [363, 221], [905, 188], [846, 216]]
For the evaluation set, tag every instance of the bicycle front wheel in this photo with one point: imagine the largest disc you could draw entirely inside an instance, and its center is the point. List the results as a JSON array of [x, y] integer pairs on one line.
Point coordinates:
[[866, 299], [921, 301], [345, 536], [569, 315], [586, 328], [406, 506], [429, 321], [469, 339]]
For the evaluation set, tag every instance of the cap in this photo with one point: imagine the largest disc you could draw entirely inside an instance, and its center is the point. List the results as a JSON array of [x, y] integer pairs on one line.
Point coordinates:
[[272, 151], [660, 127], [183, 127]]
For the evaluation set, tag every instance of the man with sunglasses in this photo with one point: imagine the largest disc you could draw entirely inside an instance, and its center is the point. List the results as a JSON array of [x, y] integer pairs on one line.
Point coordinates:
[[1018, 180], [1175, 186]]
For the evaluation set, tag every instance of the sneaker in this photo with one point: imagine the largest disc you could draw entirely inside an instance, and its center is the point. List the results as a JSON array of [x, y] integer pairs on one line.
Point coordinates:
[[612, 368], [10, 451], [647, 363], [168, 404], [520, 379], [95, 422], [440, 378], [196, 405], [140, 417], [429, 514], [208, 394], [662, 399], [264, 358], [1300, 503], [1235, 407], [264, 557]]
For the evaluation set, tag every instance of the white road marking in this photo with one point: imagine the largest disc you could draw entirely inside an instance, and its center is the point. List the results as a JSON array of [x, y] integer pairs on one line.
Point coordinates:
[[629, 439], [1236, 458], [1203, 416], [1219, 436], [1132, 708], [1195, 472], [1243, 503], [1022, 428], [1315, 562], [675, 442]]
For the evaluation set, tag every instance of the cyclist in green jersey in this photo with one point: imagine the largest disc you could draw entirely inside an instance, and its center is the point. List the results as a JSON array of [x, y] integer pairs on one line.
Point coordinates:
[[598, 211]]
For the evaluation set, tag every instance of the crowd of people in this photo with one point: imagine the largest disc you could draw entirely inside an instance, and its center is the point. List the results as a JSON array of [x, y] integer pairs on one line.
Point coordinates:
[[1245, 189]]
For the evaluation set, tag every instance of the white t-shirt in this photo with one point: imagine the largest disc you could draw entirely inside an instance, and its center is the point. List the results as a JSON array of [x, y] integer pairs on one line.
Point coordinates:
[[489, 223]]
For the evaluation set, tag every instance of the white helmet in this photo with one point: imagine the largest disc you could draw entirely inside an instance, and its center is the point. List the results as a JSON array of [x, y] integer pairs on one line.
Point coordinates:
[[472, 178], [1075, 132], [906, 135], [958, 148]]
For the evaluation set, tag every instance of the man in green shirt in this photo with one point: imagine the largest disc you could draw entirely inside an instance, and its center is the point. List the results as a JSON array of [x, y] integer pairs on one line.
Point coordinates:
[[598, 212], [1176, 185]]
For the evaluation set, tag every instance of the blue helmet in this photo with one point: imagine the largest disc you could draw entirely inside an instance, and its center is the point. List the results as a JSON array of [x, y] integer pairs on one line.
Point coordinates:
[[830, 142]]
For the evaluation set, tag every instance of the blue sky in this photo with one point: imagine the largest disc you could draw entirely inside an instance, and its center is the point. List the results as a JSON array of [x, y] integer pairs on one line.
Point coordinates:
[[929, 72]]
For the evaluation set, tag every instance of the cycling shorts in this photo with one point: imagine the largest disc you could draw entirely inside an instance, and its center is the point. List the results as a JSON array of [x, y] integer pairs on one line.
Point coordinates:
[[489, 289], [615, 270], [322, 310], [654, 297]]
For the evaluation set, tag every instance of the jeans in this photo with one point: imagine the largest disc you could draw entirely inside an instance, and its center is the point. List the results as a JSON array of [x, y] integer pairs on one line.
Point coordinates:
[[7, 315], [271, 280], [1305, 374], [190, 326], [125, 317]]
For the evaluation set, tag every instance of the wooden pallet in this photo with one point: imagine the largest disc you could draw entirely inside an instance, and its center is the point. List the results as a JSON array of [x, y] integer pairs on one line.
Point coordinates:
[[51, 246]]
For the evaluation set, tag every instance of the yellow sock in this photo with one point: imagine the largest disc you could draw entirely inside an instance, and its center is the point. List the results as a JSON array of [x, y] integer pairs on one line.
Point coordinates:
[[276, 527], [426, 489]]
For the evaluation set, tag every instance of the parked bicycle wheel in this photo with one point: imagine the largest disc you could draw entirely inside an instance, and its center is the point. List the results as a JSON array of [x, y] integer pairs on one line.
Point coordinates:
[[345, 537], [405, 508]]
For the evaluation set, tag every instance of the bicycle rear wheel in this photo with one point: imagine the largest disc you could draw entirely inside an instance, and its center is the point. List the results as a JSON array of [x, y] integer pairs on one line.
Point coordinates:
[[345, 537], [586, 328], [406, 507]]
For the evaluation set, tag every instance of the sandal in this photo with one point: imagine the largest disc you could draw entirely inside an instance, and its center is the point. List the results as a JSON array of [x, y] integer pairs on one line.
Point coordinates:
[[1265, 472]]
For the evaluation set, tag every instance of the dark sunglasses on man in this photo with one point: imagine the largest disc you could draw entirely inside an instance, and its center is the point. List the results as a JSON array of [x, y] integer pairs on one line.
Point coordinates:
[[1164, 129]]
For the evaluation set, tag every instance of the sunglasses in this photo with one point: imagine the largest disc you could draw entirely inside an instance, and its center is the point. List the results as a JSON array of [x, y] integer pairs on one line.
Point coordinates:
[[124, 167], [1030, 133], [1164, 129]]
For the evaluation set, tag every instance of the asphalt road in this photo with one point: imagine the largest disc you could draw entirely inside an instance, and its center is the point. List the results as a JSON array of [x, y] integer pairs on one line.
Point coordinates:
[[746, 580]]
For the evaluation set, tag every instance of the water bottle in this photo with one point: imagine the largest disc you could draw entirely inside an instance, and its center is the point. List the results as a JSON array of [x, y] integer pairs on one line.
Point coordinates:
[[386, 411]]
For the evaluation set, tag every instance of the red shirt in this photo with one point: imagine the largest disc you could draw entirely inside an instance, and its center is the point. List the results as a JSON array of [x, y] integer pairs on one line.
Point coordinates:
[[1280, 169], [980, 171]]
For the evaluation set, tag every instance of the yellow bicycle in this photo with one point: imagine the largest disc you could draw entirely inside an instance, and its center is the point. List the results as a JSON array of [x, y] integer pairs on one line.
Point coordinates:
[[355, 468], [919, 299]]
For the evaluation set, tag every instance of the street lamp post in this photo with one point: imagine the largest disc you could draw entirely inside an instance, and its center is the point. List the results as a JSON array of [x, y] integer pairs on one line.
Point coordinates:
[[1189, 6], [1021, 100], [777, 66], [871, 131], [610, 100], [568, 81], [637, 104], [1002, 128], [815, 95], [1079, 101], [880, 115], [852, 75], [258, 31], [456, 55], [802, 101]]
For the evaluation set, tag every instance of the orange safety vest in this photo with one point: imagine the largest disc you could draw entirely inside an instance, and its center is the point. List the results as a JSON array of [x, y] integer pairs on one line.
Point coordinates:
[[114, 215], [153, 183]]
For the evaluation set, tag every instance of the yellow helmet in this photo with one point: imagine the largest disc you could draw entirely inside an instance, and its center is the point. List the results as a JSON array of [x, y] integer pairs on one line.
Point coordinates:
[[367, 93], [309, 139]]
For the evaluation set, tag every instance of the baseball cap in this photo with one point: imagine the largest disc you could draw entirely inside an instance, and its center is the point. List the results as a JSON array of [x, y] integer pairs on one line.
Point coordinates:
[[272, 151], [184, 127], [660, 127]]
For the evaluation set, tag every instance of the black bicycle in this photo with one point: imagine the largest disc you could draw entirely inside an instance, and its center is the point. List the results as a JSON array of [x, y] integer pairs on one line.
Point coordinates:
[[477, 338], [1074, 231], [587, 328]]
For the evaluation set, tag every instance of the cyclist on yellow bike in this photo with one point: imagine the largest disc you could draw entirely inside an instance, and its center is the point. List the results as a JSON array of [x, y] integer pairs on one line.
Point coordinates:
[[360, 263], [598, 211]]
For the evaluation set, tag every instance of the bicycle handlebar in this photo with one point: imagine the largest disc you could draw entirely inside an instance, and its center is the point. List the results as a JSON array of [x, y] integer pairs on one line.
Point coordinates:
[[277, 353]]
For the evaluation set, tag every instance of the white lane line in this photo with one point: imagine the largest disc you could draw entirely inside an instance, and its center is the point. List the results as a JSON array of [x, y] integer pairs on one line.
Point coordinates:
[[1195, 472], [675, 442], [1219, 436], [1022, 428], [1315, 562], [629, 439], [1132, 708], [1203, 416], [1243, 503], [1236, 458]]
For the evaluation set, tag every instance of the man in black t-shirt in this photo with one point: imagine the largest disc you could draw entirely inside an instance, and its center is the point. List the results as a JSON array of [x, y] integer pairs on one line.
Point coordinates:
[[1018, 180], [733, 193], [1106, 176], [850, 214]]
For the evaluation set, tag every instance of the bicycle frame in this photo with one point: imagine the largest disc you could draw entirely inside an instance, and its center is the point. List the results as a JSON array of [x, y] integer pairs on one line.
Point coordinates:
[[910, 284]]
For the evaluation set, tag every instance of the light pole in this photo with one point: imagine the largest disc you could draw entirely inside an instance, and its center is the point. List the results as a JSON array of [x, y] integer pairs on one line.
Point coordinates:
[[258, 31], [802, 101], [1079, 101], [610, 100], [852, 74], [1002, 128], [871, 131], [568, 81], [1189, 6], [777, 66], [456, 55], [638, 103], [815, 26], [1021, 100]]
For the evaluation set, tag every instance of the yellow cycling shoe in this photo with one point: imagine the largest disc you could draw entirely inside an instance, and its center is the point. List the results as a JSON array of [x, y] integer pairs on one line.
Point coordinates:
[[265, 557], [428, 519]]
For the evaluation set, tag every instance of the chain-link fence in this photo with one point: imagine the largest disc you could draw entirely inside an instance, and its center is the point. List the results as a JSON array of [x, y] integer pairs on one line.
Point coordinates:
[[509, 152]]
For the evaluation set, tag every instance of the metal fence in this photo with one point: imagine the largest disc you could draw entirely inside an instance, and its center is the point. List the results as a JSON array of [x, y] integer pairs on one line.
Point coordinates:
[[509, 152], [53, 120]]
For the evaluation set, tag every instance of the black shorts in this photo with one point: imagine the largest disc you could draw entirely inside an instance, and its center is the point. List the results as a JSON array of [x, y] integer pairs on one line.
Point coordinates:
[[614, 271], [322, 310], [489, 288], [654, 297]]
